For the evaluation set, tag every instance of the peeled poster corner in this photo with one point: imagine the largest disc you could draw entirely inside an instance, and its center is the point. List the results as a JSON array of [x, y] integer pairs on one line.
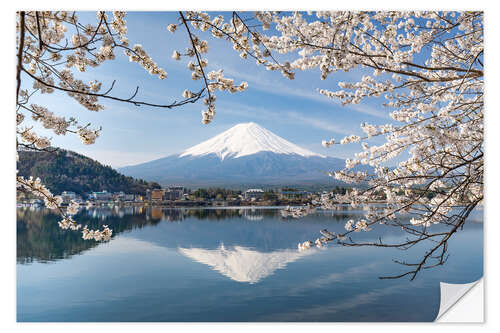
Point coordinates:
[[461, 303]]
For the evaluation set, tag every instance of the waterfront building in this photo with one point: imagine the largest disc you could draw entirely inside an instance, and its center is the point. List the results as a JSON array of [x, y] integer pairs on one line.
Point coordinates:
[[128, 197], [254, 193], [157, 194], [175, 193], [67, 196], [121, 196], [102, 196], [292, 193]]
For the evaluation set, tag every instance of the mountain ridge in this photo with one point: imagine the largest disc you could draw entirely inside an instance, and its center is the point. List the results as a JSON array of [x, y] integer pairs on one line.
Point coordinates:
[[244, 154]]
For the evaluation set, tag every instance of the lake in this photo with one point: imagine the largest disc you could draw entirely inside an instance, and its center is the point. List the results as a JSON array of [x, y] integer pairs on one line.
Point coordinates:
[[226, 265]]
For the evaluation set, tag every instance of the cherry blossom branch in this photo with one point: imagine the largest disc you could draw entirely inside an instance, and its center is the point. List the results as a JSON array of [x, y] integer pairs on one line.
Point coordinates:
[[200, 65], [193, 99]]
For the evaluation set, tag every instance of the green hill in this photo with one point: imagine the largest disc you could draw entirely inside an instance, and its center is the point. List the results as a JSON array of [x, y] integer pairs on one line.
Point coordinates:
[[65, 170]]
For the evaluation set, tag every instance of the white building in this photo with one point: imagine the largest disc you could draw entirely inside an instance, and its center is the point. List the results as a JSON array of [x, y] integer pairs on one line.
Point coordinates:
[[252, 193], [67, 196]]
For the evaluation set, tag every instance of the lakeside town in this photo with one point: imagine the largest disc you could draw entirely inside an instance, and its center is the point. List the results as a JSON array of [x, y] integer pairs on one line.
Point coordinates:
[[179, 196]]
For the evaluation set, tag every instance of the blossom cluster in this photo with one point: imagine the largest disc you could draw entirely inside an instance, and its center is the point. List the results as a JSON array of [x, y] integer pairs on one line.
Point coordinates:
[[361, 225], [69, 223], [36, 187], [88, 136], [83, 93], [139, 55], [319, 242], [50, 121], [297, 212], [97, 235], [328, 143], [119, 25], [32, 139]]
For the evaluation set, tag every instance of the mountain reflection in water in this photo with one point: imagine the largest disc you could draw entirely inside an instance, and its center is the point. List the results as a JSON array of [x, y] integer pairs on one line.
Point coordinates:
[[243, 264], [188, 264]]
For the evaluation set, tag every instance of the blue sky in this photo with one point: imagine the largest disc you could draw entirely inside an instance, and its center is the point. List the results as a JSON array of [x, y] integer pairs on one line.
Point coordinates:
[[293, 109]]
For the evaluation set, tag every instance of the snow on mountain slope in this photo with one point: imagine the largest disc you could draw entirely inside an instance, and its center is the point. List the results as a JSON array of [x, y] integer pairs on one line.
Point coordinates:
[[246, 139]]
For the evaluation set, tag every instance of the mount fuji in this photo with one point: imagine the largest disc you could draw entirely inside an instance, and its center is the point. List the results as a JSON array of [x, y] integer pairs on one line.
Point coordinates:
[[246, 154]]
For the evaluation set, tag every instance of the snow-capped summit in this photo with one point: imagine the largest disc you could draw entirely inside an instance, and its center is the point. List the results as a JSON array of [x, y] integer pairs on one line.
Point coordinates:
[[246, 139]]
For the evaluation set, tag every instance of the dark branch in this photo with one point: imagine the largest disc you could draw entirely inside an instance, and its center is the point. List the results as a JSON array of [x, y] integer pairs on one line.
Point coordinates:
[[20, 54]]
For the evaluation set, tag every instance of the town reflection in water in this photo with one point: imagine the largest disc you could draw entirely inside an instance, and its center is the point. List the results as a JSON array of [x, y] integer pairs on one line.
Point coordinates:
[[40, 239]]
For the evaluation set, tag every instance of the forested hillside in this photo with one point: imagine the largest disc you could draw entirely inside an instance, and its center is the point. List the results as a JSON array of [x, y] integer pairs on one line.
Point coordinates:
[[64, 170]]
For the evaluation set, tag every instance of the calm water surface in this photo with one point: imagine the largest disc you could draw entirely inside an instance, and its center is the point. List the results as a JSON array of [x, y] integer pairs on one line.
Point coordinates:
[[225, 265]]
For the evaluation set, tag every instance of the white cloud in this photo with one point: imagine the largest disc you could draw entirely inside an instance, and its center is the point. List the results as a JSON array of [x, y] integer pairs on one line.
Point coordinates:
[[319, 123]]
